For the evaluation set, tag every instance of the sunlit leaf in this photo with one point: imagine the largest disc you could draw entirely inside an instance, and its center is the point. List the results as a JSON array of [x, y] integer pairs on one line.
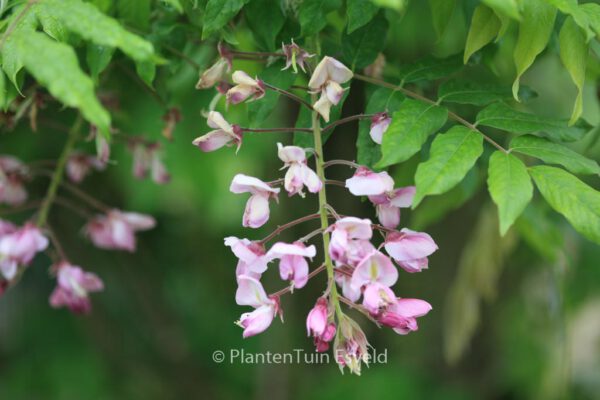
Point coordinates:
[[573, 54], [485, 25]]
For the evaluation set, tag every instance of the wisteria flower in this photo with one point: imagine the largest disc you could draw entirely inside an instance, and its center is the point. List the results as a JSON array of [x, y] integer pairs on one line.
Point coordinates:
[[18, 246], [350, 346], [344, 233], [252, 257], [402, 315], [374, 268], [245, 87], [298, 174], [318, 327], [12, 181], [213, 75], [73, 287], [116, 229], [147, 158], [365, 182], [223, 134], [327, 79], [410, 249], [379, 124], [295, 55], [80, 164], [377, 296], [388, 205], [250, 292], [257, 208], [292, 261]]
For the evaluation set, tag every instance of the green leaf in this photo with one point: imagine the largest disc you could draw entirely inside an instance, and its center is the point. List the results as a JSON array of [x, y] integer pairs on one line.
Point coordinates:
[[218, 13], [398, 5], [573, 54], [176, 4], [509, 8], [98, 58], [64, 79], [592, 12], [485, 25], [3, 94], [312, 15], [452, 155], [53, 26], [135, 13], [553, 153], [361, 47], [88, 22], [569, 196], [535, 29], [501, 116], [259, 111], [510, 187], [579, 15], [367, 151], [146, 70], [410, 128], [359, 13], [259, 11], [430, 68], [479, 94], [539, 232], [441, 11]]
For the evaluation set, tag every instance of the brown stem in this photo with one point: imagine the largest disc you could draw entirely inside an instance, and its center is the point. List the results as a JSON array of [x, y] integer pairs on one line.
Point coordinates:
[[346, 120], [290, 95], [417, 96], [288, 289], [267, 130], [255, 53], [351, 164], [283, 227], [57, 246]]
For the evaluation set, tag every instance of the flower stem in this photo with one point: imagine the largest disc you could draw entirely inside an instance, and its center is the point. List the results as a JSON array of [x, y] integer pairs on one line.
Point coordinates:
[[290, 95], [333, 294], [58, 174]]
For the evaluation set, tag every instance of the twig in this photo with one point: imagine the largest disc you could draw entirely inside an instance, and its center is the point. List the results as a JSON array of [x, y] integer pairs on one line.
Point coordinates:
[[268, 130], [288, 289], [346, 120], [290, 95], [283, 227]]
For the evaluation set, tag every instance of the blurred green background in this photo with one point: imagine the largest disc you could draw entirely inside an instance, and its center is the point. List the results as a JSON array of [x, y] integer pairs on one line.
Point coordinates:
[[507, 323]]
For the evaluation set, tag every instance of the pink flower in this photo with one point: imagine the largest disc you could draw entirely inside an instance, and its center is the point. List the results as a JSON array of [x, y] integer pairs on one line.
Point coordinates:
[[403, 313], [80, 164], [379, 124], [374, 268], [18, 246], [344, 280], [12, 176], [388, 205], [298, 174], [322, 341], [292, 265], [73, 287], [222, 135], [317, 326], [344, 233], [294, 54], [252, 257], [147, 157], [213, 75], [410, 249], [365, 182], [246, 87], [116, 229], [257, 208], [377, 297], [327, 79], [250, 292]]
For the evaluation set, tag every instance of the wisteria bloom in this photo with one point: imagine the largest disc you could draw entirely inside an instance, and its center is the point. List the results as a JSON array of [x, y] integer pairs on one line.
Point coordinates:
[[245, 88], [318, 327], [388, 205], [402, 315], [252, 257], [410, 249], [223, 134], [350, 346], [326, 80], [365, 182], [376, 268], [12, 177], [250, 292], [346, 233], [292, 261], [116, 229], [213, 75], [18, 246], [257, 208], [147, 158], [379, 124], [295, 55], [80, 164], [298, 174], [73, 287]]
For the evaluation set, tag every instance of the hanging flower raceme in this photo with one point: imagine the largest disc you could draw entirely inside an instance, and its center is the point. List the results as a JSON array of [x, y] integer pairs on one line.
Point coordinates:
[[257, 208], [80, 164], [18, 247], [318, 325], [298, 174], [292, 261], [246, 87], [147, 158], [379, 125], [73, 287], [250, 292], [388, 205], [12, 181], [410, 249], [295, 56], [252, 257], [326, 80], [116, 229], [223, 134]]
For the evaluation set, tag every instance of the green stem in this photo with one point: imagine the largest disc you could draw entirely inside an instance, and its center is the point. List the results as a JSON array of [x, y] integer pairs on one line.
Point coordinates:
[[333, 293], [58, 173]]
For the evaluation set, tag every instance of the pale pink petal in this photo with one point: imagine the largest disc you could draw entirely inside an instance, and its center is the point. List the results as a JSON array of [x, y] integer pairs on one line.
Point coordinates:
[[213, 140], [377, 296], [323, 106], [257, 211], [212, 75], [416, 265], [412, 307], [310, 179], [365, 182], [291, 154], [248, 184], [355, 227], [409, 245], [334, 92], [389, 216], [403, 197], [250, 292], [376, 267], [257, 321], [215, 120]]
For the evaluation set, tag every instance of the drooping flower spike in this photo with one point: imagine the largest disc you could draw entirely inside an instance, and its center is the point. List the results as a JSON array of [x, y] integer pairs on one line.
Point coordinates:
[[257, 208], [223, 134], [298, 174]]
